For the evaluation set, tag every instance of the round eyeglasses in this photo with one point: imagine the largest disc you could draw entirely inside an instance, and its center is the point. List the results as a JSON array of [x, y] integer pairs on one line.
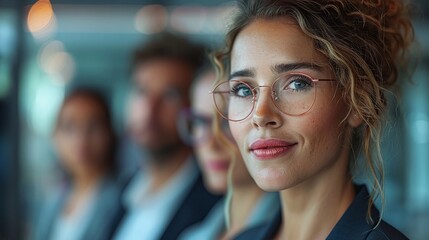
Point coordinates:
[[292, 93], [195, 129]]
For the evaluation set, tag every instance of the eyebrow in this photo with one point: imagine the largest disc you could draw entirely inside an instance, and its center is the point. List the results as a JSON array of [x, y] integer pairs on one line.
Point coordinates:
[[277, 69], [281, 68], [243, 73]]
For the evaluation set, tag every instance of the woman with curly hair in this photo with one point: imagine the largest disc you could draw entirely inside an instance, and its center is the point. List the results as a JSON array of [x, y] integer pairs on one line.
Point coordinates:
[[305, 96]]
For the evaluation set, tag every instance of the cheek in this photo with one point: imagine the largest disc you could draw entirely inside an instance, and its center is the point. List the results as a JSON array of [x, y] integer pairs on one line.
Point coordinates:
[[202, 152], [323, 130], [240, 173], [66, 146], [165, 119], [238, 132], [140, 109], [101, 144]]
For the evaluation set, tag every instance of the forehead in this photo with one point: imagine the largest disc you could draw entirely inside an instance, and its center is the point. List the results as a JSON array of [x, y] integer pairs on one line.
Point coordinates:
[[271, 42], [163, 73], [81, 108]]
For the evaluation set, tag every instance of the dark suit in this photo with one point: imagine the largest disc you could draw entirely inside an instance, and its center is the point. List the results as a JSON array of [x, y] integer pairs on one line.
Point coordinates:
[[351, 226], [193, 209]]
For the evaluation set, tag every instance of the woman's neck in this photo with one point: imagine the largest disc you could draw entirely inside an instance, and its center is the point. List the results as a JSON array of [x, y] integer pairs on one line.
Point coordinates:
[[244, 199], [84, 186], [85, 181], [312, 209]]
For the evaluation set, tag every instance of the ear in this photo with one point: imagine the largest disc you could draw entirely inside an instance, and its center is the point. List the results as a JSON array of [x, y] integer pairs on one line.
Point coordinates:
[[354, 120]]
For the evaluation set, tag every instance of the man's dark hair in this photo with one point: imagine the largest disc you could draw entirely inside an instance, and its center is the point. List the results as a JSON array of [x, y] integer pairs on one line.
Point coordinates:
[[170, 46]]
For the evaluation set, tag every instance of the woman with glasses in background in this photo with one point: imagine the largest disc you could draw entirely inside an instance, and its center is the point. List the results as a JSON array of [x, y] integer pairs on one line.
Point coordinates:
[[218, 157], [87, 205], [305, 96]]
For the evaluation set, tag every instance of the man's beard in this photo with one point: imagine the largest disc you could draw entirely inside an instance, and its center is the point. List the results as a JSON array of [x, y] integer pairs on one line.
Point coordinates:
[[164, 154]]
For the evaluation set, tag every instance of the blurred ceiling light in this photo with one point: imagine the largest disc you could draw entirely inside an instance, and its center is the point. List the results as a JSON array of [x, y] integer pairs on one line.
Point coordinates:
[[56, 62], [189, 19], [41, 19], [151, 19]]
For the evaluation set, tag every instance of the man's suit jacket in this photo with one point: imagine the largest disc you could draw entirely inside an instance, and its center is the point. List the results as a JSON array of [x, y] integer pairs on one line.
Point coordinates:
[[193, 209]]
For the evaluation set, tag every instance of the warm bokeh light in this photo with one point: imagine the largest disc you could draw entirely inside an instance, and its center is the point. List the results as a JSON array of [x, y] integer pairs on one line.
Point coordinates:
[[151, 19], [57, 62], [40, 16]]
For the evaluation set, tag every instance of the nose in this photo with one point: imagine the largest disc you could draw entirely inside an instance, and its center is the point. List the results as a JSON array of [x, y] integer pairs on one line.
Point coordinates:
[[266, 113], [153, 104]]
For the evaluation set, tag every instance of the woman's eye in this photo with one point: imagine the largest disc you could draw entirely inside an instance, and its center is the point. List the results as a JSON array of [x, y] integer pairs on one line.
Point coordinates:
[[241, 90], [299, 83]]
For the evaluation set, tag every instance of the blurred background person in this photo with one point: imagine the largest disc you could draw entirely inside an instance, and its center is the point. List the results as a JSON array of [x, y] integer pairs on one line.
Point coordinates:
[[45, 47], [217, 155], [168, 194], [87, 205]]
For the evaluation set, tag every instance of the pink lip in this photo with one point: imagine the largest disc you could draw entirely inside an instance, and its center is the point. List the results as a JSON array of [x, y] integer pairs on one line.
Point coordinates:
[[218, 165], [266, 149]]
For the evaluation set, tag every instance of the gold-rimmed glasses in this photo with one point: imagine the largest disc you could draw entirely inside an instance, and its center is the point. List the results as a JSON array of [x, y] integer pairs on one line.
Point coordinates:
[[292, 93]]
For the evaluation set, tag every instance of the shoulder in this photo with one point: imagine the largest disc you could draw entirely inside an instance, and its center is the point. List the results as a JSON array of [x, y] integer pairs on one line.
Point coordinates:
[[385, 231], [210, 228], [354, 223], [193, 208]]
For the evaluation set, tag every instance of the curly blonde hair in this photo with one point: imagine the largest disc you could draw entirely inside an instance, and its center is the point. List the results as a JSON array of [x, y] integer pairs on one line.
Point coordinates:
[[365, 42]]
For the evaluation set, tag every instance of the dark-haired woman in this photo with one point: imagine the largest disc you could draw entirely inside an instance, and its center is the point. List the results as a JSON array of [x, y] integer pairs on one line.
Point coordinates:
[[88, 205]]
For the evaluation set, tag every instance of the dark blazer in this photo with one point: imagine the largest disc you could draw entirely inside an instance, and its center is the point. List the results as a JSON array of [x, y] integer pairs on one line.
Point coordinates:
[[106, 213], [351, 226], [193, 209]]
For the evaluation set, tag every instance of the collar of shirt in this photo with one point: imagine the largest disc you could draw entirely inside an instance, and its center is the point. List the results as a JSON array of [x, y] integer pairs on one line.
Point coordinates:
[[138, 193], [148, 213]]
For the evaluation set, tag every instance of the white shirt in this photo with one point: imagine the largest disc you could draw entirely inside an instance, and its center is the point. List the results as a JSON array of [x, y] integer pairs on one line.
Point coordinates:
[[72, 227], [149, 213]]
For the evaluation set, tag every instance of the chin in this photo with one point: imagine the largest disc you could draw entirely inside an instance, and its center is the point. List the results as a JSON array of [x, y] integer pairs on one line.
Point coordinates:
[[272, 179], [216, 186]]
